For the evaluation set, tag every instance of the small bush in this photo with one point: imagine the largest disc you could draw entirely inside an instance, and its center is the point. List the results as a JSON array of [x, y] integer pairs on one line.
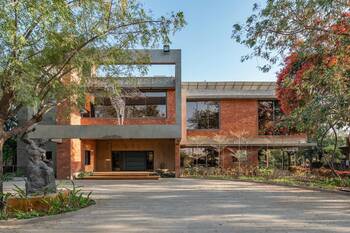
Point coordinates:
[[74, 200], [26, 215], [81, 175], [165, 173]]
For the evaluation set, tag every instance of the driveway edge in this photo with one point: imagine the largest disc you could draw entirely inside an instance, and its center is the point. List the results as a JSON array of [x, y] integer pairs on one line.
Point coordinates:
[[344, 193]]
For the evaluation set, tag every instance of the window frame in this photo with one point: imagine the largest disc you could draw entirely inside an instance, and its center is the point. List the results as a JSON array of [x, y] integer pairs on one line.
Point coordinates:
[[274, 121], [137, 118], [205, 100], [153, 117]]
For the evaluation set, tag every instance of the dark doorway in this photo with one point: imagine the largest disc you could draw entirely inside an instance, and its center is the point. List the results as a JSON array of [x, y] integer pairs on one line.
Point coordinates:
[[132, 160]]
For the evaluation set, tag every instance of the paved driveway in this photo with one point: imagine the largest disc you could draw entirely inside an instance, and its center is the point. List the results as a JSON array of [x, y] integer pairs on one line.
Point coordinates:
[[187, 205]]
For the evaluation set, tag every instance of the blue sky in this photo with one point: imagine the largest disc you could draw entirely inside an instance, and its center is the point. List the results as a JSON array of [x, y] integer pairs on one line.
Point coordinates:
[[208, 52]]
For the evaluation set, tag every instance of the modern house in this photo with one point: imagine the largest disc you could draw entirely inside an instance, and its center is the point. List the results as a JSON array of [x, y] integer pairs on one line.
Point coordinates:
[[166, 119]]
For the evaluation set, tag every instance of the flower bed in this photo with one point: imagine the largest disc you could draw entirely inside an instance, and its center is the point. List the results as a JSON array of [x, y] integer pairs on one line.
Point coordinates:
[[21, 206], [36, 203]]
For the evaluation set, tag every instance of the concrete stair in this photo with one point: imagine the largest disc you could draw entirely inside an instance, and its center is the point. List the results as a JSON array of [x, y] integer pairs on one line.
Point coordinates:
[[127, 175]]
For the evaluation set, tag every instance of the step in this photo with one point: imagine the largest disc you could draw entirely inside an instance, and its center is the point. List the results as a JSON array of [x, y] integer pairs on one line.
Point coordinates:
[[123, 174], [100, 177]]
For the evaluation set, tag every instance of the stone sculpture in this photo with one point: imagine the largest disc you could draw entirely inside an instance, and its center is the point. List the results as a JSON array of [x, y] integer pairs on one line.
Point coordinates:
[[40, 178]]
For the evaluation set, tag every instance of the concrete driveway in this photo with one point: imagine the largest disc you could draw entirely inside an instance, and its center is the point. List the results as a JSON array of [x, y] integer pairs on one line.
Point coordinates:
[[188, 205]]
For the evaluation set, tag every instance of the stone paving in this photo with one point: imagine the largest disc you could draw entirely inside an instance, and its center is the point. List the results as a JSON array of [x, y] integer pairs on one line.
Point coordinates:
[[190, 205]]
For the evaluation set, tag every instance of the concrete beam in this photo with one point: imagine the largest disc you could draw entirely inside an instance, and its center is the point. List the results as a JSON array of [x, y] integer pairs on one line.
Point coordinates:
[[152, 57], [106, 131], [230, 94], [141, 82]]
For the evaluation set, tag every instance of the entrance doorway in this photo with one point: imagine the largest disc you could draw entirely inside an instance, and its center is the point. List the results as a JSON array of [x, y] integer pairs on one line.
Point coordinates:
[[132, 160]]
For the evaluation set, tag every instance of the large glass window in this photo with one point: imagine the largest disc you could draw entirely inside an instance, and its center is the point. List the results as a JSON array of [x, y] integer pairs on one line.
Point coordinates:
[[270, 116], [199, 156], [147, 105], [202, 115], [150, 104]]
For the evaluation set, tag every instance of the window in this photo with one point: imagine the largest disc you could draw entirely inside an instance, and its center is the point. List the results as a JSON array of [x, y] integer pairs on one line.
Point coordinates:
[[199, 156], [48, 155], [270, 115], [87, 157], [150, 104], [150, 160], [202, 115]]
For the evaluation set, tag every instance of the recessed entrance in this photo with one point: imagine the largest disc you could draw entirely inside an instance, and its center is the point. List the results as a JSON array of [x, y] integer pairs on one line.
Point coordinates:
[[132, 160]]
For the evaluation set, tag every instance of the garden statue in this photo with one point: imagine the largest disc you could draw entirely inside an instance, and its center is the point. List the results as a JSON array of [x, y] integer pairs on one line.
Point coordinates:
[[40, 178]]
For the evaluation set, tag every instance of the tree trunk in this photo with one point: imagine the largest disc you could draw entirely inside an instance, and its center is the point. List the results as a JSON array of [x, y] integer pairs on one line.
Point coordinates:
[[289, 160], [267, 159], [1, 167], [348, 145]]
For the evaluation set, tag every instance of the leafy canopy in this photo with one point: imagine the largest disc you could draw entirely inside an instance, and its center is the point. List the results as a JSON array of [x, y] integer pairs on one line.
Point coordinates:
[[43, 42], [311, 39]]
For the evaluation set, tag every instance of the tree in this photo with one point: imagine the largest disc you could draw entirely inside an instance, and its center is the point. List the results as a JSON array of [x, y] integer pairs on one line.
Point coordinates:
[[313, 40], [43, 45]]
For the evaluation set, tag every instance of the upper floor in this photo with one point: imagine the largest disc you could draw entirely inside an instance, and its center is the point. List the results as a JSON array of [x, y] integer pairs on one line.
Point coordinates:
[[165, 107], [234, 113]]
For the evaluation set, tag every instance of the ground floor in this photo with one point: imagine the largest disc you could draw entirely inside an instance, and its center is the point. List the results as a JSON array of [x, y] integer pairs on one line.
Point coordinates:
[[188, 205], [75, 155]]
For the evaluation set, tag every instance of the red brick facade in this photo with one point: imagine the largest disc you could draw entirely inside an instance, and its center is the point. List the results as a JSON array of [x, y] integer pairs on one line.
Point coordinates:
[[238, 119], [63, 162], [89, 145]]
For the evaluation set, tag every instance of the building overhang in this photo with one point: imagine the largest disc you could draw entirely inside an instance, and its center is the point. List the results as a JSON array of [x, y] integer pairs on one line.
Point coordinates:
[[106, 131], [230, 94], [269, 142], [137, 82], [230, 90], [272, 145]]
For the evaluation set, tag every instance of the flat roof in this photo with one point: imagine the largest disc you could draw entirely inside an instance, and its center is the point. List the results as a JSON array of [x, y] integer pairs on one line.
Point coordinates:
[[232, 85], [230, 90]]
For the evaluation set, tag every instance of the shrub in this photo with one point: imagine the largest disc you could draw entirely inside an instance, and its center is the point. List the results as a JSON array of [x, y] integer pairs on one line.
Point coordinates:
[[165, 173], [26, 215], [74, 200]]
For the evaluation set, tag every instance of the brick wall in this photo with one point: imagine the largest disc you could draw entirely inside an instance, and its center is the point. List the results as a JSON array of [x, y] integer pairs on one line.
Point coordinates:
[[68, 158], [236, 117], [76, 156], [91, 146], [63, 159]]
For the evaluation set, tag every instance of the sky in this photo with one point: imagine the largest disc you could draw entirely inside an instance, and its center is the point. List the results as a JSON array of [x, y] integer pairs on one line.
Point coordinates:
[[208, 52]]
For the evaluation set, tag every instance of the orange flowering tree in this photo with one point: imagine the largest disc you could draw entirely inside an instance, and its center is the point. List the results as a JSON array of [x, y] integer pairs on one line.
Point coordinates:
[[311, 40], [315, 82]]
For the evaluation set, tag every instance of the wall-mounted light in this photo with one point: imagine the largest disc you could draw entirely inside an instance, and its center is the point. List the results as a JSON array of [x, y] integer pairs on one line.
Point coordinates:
[[166, 48]]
